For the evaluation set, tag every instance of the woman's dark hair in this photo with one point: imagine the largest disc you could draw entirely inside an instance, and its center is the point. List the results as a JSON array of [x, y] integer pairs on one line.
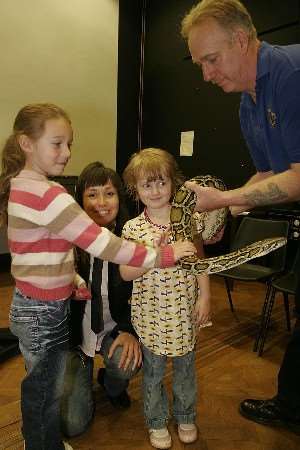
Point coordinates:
[[96, 174]]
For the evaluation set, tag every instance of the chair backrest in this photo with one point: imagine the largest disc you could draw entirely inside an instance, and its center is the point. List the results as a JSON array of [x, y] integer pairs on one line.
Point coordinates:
[[252, 229]]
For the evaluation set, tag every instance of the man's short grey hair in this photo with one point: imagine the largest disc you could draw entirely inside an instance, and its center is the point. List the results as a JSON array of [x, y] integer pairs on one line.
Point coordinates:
[[229, 14]]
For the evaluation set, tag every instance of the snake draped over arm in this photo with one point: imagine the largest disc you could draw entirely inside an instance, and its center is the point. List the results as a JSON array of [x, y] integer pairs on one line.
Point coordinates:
[[183, 227]]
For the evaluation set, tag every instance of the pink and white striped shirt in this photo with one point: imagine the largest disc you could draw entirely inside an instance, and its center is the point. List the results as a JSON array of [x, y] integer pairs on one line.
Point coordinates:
[[44, 224]]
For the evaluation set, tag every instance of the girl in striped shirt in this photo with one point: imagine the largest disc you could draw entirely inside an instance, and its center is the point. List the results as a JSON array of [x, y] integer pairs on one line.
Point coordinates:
[[44, 223]]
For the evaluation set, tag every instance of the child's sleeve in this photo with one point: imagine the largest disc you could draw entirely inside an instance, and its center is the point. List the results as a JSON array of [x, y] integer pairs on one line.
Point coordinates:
[[64, 217]]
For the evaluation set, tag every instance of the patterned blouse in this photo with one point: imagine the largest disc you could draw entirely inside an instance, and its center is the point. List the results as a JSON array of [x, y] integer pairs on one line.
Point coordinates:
[[163, 300]]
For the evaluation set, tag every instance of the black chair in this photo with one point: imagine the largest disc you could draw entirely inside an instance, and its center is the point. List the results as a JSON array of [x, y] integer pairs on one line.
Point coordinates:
[[262, 269], [286, 284]]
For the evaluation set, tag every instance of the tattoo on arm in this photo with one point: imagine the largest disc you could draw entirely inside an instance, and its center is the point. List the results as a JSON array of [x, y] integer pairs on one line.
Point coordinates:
[[272, 195]]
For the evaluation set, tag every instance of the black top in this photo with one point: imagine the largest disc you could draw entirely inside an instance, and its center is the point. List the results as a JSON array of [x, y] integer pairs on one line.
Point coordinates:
[[119, 293]]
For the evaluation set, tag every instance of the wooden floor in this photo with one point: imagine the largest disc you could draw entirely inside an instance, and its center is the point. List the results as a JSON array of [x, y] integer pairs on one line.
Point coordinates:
[[228, 371]]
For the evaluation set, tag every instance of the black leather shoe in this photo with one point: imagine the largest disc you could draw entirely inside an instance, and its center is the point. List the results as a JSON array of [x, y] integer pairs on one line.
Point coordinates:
[[121, 401], [267, 412]]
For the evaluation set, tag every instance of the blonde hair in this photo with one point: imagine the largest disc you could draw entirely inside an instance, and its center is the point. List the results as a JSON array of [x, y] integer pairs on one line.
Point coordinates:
[[30, 120], [229, 14], [151, 163]]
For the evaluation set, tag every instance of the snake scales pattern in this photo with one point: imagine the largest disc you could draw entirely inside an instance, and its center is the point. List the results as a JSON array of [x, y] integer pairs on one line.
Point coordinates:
[[183, 226]]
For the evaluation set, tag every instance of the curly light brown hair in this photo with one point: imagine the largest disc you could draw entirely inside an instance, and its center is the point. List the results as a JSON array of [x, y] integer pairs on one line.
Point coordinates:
[[152, 164]]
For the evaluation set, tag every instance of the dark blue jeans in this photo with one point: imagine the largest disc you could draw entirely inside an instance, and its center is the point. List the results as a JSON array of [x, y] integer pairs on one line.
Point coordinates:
[[78, 403], [43, 332]]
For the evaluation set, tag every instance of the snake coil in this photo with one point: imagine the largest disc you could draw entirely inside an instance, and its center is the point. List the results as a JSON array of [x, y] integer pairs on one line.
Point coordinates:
[[184, 223]]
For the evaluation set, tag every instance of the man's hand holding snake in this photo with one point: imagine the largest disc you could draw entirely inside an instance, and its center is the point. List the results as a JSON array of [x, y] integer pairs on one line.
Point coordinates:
[[208, 198]]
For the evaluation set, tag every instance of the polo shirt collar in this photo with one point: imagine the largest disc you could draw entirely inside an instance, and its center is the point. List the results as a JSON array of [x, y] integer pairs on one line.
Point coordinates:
[[263, 60]]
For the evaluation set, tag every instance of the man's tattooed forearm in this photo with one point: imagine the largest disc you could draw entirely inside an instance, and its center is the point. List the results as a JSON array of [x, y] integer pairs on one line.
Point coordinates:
[[272, 195]]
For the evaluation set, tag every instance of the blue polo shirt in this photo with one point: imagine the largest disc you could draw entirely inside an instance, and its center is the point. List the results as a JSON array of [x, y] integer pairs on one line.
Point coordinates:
[[271, 127]]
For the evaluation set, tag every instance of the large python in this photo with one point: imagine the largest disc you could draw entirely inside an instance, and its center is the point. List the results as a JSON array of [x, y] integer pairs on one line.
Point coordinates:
[[183, 227]]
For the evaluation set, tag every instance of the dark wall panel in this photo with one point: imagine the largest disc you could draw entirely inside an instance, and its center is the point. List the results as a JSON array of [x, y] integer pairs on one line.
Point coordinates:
[[270, 14], [130, 24]]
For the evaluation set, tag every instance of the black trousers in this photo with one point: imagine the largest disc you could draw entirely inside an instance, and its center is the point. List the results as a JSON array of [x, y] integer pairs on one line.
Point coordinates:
[[289, 373]]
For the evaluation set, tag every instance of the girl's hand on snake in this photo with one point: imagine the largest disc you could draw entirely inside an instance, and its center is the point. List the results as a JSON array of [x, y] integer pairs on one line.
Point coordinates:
[[162, 239], [183, 248]]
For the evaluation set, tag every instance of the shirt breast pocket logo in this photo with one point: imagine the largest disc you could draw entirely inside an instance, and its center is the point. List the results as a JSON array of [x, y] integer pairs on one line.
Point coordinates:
[[272, 118]]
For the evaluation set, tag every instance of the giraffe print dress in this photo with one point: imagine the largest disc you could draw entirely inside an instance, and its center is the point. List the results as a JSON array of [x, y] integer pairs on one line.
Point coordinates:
[[163, 300]]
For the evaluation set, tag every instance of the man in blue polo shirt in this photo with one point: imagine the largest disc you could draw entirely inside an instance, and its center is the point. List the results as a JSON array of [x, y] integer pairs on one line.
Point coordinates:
[[271, 124], [223, 42]]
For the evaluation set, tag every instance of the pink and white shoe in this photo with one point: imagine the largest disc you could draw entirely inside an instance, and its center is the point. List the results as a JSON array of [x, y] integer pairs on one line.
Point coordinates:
[[187, 432], [160, 438]]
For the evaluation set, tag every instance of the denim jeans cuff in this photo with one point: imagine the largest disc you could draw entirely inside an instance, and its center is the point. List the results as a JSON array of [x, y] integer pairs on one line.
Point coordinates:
[[184, 418], [156, 424]]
